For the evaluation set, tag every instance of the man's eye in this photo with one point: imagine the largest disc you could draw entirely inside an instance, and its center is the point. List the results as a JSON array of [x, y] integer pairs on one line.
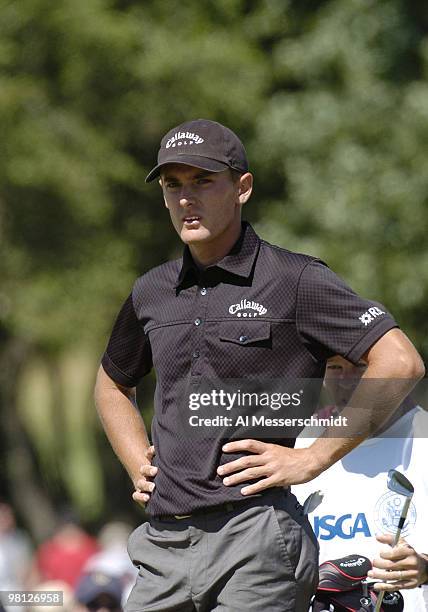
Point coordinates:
[[203, 181], [172, 185]]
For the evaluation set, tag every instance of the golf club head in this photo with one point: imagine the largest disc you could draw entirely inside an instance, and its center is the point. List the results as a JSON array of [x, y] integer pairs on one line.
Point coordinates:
[[398, 483], [312, 502]]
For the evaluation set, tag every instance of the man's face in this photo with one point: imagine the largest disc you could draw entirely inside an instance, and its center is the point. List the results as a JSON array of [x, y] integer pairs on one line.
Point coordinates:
[[341, 378], [104, 603], [204, 206]]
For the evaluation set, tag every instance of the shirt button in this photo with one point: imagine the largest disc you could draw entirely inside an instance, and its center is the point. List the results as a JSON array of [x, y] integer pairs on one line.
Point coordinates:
[[195, 354], [198, 321], [203, 291], [243, 338]]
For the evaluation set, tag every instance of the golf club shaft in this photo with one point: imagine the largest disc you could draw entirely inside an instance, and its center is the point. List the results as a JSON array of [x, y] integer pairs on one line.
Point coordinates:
[[396, 539], [402, 520]]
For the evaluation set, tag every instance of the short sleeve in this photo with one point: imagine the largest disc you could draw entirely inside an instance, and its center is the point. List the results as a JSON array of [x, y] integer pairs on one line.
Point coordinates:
[[128, 355], [333, 320]]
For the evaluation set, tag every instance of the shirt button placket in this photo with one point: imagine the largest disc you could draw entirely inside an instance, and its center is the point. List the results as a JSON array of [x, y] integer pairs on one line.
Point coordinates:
[[201, 304]]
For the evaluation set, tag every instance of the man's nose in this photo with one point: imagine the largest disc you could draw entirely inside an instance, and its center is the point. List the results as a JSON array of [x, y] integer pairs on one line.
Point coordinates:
[[186, 196]]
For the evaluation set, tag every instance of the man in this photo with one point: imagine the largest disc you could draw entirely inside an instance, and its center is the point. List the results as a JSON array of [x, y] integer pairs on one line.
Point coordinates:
[[225, 533], [357, 504], [64, 554], [113, 559], [54, 590], [15, 551], [98, 592]]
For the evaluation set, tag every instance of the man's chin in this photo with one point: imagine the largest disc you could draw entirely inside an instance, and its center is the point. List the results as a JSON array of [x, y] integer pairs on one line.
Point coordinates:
[[192, 236]]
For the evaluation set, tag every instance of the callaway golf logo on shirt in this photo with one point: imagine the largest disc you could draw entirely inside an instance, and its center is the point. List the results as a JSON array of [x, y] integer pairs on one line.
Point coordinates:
[[183, 138], [241, 309]]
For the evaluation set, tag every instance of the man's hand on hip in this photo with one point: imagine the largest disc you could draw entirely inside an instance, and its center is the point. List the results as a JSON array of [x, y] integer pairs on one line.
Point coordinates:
[[144, 486], [272, 465]]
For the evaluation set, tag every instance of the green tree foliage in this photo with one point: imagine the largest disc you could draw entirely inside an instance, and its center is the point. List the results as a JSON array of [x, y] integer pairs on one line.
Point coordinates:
[[331, 99], [348, 131]]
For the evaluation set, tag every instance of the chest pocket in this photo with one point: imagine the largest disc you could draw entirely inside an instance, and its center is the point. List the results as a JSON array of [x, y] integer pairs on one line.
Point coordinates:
[[246, 333]]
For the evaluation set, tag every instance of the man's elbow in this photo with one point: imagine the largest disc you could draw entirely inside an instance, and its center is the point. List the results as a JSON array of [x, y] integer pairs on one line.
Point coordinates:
[[416, 367], [106, 386], [394, 356], [410, 364]]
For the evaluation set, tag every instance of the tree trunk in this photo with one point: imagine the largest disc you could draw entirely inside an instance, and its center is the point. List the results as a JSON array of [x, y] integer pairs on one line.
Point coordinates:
[[24, 486]]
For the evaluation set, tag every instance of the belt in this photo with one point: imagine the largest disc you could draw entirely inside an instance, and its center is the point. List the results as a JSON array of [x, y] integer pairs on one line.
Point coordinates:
[[261, 499], [226, 507]]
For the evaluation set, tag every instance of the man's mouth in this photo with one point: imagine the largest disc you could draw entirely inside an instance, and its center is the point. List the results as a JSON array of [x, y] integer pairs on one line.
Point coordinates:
[[191, 221]]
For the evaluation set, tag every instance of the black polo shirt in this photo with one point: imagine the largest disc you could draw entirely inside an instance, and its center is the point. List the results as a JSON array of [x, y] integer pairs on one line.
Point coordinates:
[[261, 311]]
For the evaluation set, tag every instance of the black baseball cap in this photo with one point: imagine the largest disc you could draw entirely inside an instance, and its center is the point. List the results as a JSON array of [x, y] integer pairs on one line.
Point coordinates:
[[91, 586], [201, 143]]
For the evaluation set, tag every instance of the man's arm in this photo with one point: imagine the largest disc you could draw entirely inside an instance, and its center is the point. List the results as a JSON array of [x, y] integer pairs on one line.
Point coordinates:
[[393, 368], [394, 362], [124, 427]]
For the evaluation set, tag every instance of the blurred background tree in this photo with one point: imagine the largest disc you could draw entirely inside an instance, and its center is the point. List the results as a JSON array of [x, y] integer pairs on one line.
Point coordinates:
[[331, 99]]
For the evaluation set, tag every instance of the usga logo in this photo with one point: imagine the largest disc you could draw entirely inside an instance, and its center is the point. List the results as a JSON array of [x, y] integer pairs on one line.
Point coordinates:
[[345, 527], [183, 138], [388, 511], [370, 315], [247, 305]]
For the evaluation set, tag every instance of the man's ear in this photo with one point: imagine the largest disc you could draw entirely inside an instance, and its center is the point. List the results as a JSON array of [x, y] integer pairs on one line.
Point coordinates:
[[163, 192], [245, 187]]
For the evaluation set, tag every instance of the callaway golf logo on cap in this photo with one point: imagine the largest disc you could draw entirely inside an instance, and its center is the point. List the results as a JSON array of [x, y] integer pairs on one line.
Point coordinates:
[[183, 138], [202, 144]]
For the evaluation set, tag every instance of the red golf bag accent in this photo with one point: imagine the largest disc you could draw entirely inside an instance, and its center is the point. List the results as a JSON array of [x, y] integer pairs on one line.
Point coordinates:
[[342, 588]]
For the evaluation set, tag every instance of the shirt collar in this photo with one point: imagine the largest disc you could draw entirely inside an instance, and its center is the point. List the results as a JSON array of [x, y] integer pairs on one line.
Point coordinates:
[[239, 262]]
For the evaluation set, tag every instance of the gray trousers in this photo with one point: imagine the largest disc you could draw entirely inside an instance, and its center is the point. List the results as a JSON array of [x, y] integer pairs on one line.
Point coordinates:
[[261, 556]]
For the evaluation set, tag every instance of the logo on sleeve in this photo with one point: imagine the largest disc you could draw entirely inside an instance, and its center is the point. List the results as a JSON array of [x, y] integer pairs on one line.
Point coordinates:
[[241, 309], [370, 315]]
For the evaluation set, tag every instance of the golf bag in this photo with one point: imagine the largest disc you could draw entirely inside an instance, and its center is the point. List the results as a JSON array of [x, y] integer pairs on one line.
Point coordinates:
[[343, 588]]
